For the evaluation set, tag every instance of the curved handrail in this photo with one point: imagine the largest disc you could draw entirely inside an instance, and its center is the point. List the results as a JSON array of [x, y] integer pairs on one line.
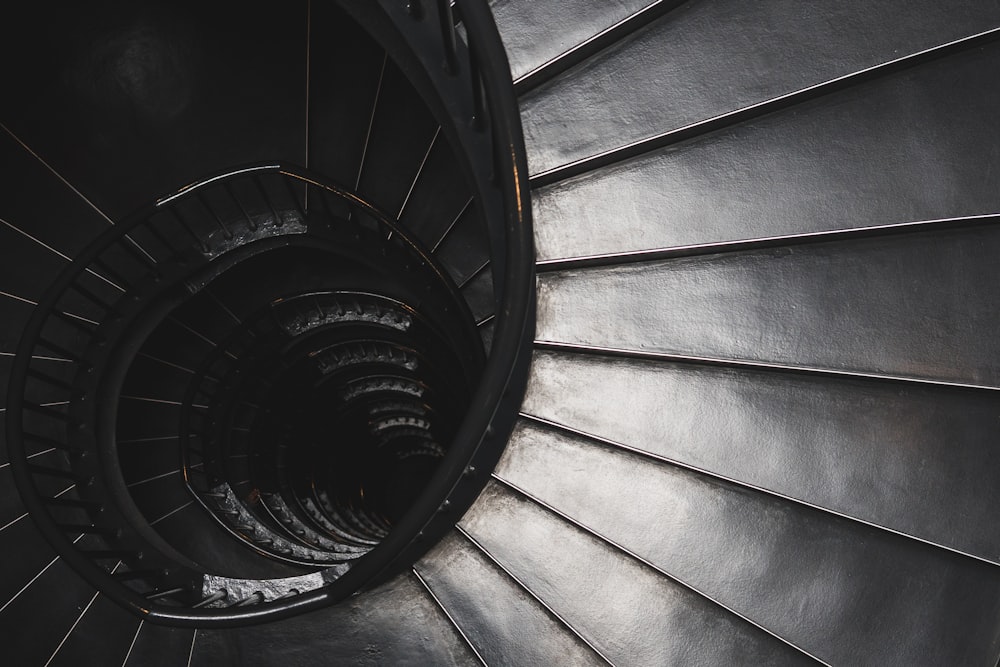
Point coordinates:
[[485, 428], [505, 374]]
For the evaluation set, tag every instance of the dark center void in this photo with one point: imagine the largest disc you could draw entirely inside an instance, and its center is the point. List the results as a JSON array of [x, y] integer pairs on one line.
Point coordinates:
[[309, 389]]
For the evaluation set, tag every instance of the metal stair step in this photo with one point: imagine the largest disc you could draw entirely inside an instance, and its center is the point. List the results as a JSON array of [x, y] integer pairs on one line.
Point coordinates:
[[693, 64], [918, 306], [537, 32], [793, 570], [498, 617], [395, 624], [344, 60], [51, 605], [33, 555], [919, 460], [396, 148], [867, 156], [643, 617], [102, 636], [159, 646]]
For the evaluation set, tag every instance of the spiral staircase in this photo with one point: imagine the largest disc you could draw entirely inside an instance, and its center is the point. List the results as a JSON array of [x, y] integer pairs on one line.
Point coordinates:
[[267, 301]]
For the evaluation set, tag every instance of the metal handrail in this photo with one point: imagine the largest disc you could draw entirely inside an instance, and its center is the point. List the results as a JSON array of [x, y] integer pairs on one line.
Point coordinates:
[[487, 423], [494, 405], [495, 402]]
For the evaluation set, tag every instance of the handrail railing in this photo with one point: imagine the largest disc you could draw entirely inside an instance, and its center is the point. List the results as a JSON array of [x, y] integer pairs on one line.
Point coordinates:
[[473, 81], [490, 418]]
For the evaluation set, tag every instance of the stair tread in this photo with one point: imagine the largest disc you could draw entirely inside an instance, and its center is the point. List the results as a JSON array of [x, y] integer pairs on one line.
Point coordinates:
[[680, 69], [438, 195], [655, 621], [52, 604], [796, 571], [395, 148], [33, 555], [159, 646], [465, 249], [395, 624], [54, 368], [918, 306], [148, 460], [870, 155], [11, 507], [795, 463], [478, 293], [184, 525], [536, 32], [14, 315], [918, 460], [103, 636], [505, 624], [22, 252], [344, 75]]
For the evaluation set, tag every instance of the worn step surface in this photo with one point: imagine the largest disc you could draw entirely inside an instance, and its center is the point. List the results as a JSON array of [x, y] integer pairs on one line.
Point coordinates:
[[504, 623], [706, 59], [902, 148], [793, 570], [744, 446], [915, 306], [645, 617], [886, 453], [536, 33], [396, 624]]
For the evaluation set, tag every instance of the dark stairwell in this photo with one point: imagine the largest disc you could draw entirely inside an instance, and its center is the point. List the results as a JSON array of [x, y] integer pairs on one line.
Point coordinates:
[[268, 314]]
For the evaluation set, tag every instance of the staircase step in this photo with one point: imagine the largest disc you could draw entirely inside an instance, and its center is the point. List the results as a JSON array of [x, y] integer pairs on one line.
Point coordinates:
[[395, 624], [478, 293], [537, 32], [23, 257], [712, 58], [396, 150], [14, 315], [793, 570], [439, 195], [33, 555], [868, 156], [465, 249], [146, 417], [917, 306], [102, 636], [655, 621], [11, 508], [918, 460], [159, 646], [187, 527], [502, 621], [51, 606], [344, 70], [148, 461], [159, 497]]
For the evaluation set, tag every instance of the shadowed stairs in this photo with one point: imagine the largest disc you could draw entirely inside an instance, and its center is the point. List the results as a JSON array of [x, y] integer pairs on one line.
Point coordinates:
[[761, 416]]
